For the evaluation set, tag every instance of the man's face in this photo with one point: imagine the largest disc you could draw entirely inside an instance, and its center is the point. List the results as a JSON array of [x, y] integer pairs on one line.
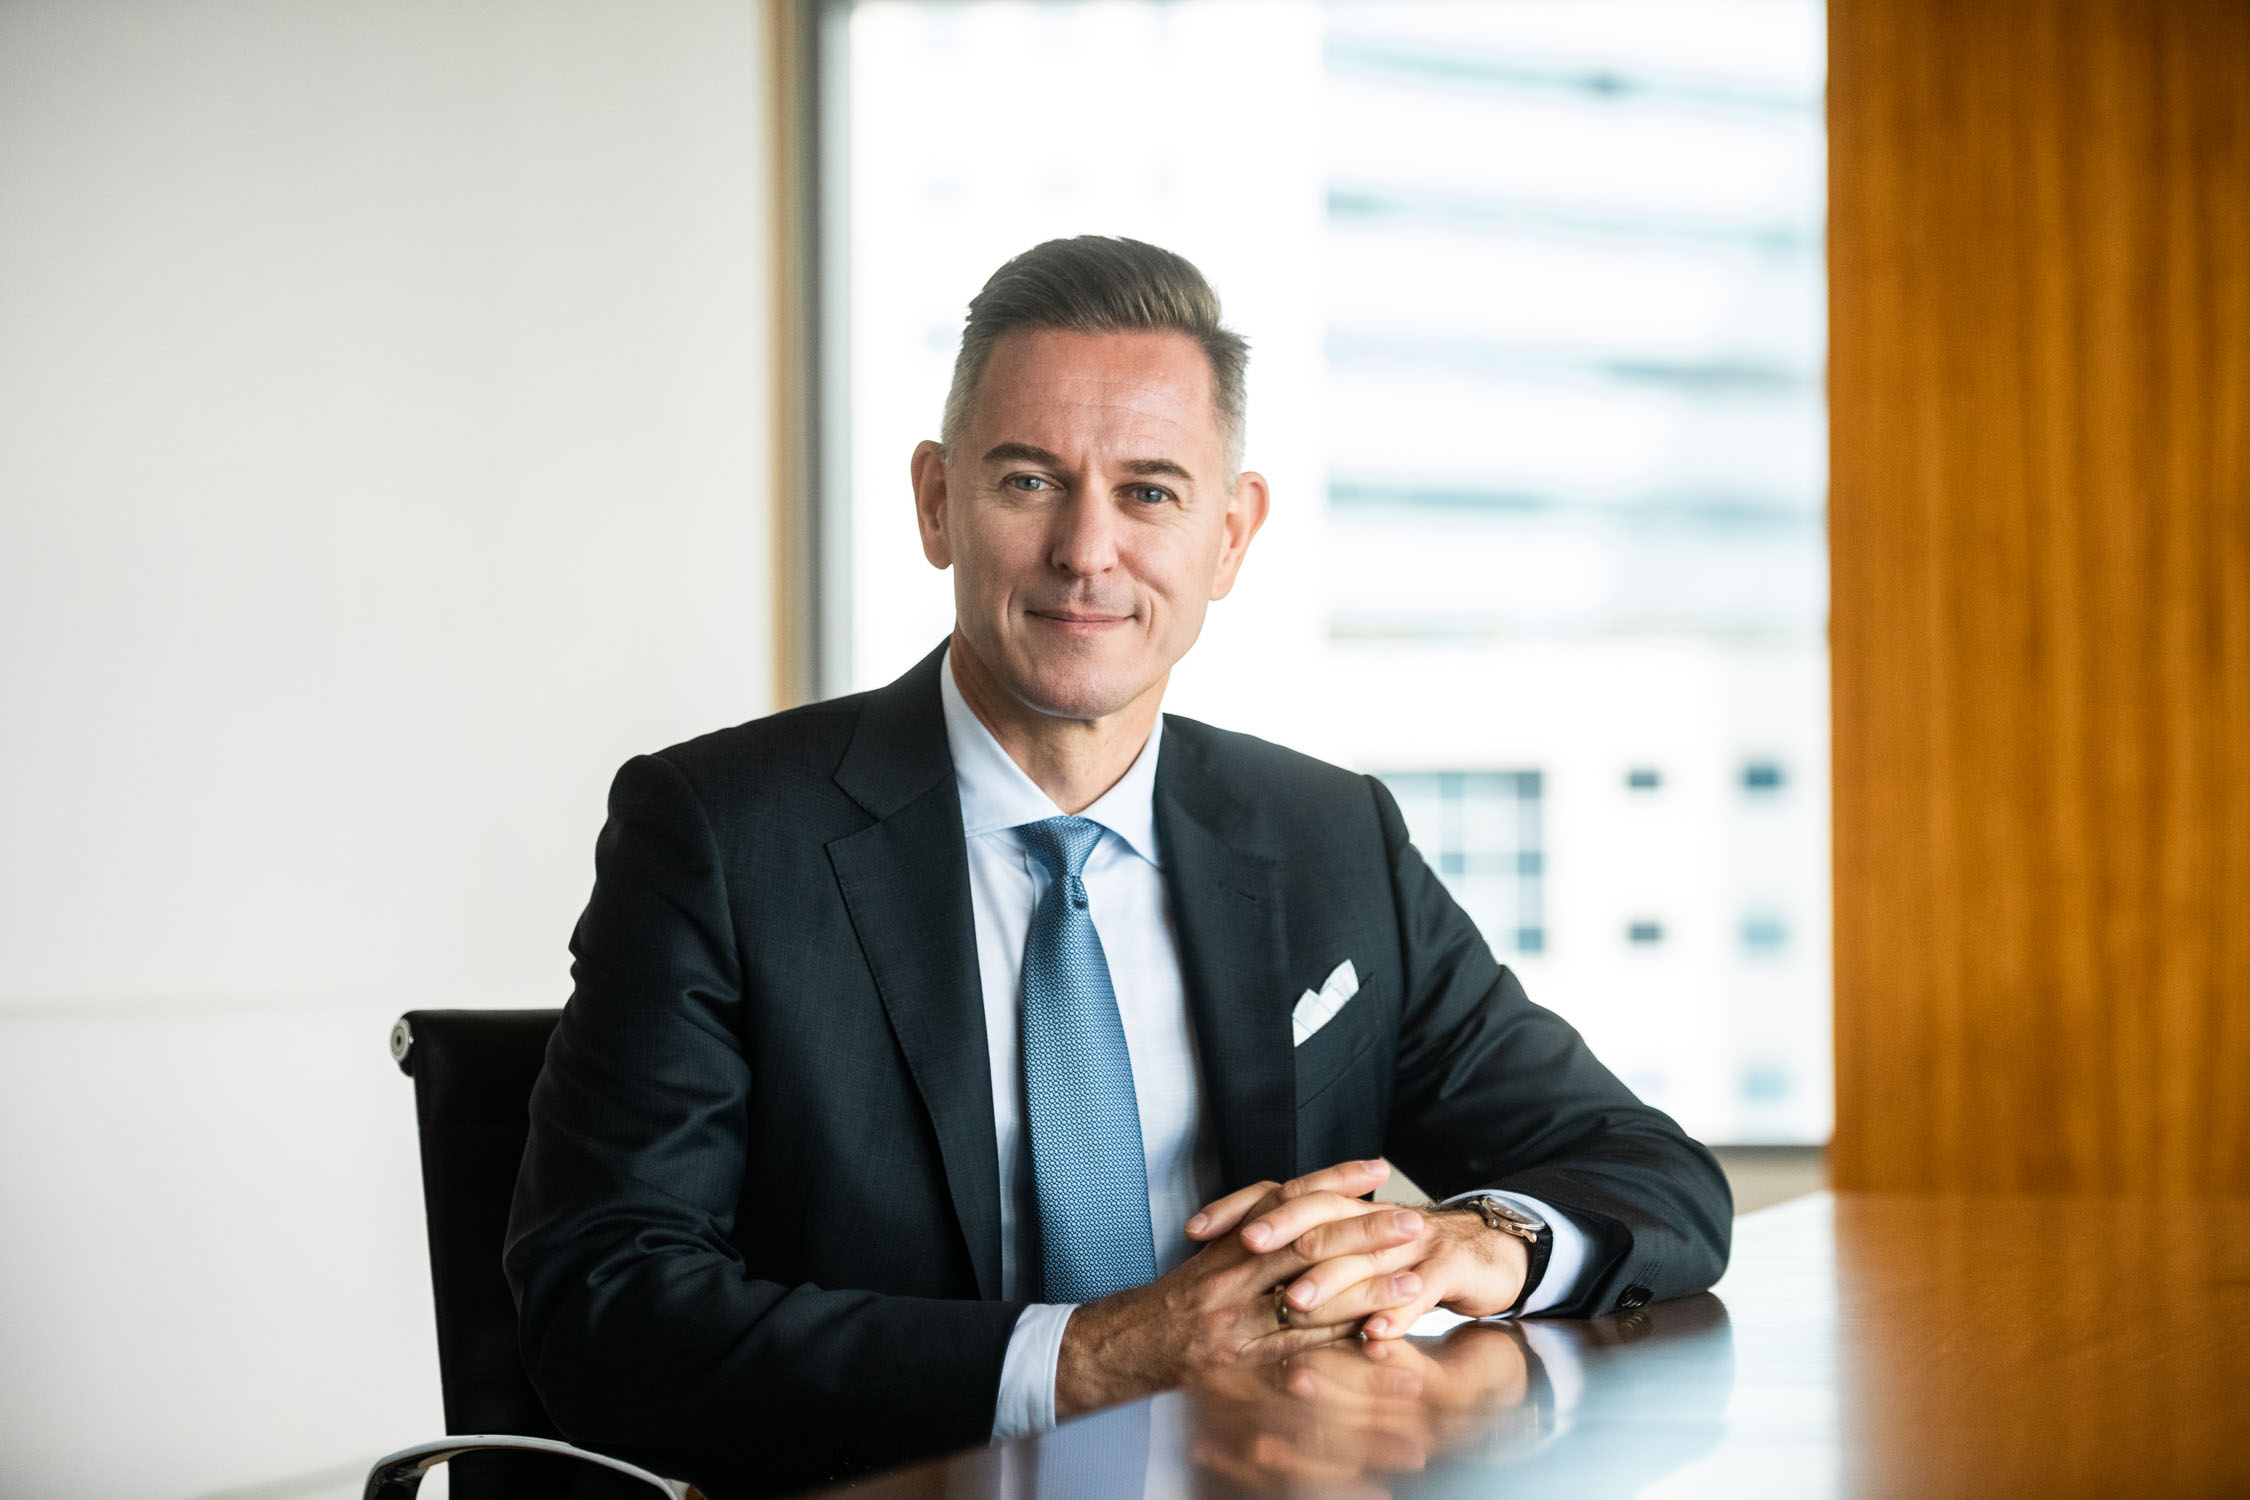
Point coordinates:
[[1087, 516]]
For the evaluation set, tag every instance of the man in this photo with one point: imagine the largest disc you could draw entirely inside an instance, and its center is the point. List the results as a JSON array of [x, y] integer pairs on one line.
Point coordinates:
[[958, 1057]]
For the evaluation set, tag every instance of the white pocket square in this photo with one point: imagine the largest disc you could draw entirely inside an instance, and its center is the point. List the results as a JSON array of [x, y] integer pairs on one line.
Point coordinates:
[[1317, 1010]]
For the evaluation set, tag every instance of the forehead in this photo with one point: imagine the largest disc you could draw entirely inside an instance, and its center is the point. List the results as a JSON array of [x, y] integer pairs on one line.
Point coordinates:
[[1064, 390]]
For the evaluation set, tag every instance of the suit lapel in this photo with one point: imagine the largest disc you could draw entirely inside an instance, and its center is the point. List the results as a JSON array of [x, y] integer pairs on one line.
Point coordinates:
[[905, 881], [1226, 903]]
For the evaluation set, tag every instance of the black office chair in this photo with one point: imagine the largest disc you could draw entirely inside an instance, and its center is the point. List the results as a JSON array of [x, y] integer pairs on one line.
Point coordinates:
[[472, 1072]]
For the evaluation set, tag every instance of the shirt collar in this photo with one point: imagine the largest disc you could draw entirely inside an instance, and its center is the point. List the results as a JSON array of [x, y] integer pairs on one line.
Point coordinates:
[[996, 794]]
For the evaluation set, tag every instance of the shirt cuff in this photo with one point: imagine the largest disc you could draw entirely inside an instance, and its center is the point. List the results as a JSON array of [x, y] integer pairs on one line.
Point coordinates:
[[1566, 1254], [1027, 1372]]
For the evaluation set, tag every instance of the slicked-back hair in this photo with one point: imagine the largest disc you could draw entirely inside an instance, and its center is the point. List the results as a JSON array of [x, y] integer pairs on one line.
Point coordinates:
[[1099, 284]]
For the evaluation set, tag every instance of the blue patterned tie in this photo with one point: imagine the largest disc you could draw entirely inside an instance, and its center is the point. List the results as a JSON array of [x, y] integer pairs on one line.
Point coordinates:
[[1086, 1156]]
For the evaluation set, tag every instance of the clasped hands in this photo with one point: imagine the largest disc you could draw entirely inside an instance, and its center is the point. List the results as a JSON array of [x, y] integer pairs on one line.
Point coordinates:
[[1284, 1268]]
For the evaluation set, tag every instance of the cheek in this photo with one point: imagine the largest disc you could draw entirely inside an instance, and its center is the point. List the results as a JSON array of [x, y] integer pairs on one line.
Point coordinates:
[[989, 560], [1179, 570]]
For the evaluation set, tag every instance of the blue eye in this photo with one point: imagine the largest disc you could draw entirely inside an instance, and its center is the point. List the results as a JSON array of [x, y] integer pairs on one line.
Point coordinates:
[[1151, 494], [1026, 482]]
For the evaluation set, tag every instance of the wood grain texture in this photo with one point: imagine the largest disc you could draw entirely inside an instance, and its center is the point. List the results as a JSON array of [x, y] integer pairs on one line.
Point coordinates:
[[1860, 1344], [1982, 1353], [2040, 540], [792, 70]]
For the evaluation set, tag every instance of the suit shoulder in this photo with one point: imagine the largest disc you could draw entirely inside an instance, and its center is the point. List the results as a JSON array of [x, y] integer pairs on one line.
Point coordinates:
[[1265, 771], [768, 756]]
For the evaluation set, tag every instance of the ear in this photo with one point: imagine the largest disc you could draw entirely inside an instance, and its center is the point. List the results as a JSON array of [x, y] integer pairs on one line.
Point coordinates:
[[929, 503], [1246, 512]]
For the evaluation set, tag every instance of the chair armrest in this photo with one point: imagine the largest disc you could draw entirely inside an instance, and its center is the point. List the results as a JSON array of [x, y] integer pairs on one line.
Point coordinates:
[[397, 1476]]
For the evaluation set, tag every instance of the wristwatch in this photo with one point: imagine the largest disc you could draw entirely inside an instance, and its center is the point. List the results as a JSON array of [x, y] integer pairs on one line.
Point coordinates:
[[1539, 1240]]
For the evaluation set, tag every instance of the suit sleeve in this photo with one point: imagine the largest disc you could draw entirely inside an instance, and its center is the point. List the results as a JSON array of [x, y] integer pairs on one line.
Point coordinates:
[[1492, 1091], [642, 1328]]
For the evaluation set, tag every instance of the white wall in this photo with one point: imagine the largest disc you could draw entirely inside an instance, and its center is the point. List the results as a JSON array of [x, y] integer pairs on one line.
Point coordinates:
[[383, 458]]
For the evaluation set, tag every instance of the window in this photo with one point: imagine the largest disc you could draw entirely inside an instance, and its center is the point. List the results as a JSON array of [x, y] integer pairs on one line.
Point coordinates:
[[1763, 935], [1480, 831], [1535, 297]]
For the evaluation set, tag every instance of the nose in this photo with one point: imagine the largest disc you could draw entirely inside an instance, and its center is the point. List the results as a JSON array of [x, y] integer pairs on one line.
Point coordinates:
[[1084, 542]]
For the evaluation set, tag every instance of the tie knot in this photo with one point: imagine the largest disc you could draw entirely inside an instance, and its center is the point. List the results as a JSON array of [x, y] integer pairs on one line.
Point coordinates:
[[1062, 844]]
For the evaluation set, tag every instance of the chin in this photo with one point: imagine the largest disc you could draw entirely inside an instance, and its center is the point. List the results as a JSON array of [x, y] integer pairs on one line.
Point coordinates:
[[1086, 704], [1076, 692]]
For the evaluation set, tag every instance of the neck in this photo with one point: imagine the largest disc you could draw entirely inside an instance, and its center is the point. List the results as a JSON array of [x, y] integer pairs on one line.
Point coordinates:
[[1074, 761]]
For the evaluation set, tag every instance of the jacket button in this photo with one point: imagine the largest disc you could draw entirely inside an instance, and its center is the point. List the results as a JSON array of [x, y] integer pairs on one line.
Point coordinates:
[[1633, 1296]]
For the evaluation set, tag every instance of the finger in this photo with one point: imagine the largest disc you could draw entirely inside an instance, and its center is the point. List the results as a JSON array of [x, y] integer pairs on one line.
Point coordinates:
[[1222, 1214], [1397, 1355], [1286, 1339], [1374, 1228], [1260, 1316], [1344, 1375], [1397, 1322], [1259, 1280], [1440, 1274], [1383, 1293], [1313, 1291], [1350, 1178], [1324, 1404], [1278, 1225], [1481, 1365]]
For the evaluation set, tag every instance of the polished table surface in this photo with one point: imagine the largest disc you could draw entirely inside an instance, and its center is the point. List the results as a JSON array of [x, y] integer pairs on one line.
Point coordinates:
[[1859, 1344]]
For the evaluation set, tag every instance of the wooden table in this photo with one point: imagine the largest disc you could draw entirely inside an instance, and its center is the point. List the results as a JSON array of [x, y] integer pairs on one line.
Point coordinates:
[[1859, 1345]]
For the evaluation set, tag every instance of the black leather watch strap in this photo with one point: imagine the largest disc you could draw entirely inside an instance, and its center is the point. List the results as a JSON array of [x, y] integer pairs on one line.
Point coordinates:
[[1505, 1218], [1541, 1249]]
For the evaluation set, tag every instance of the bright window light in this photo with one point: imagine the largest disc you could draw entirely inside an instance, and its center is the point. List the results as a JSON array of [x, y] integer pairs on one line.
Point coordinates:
[[1537, 314]]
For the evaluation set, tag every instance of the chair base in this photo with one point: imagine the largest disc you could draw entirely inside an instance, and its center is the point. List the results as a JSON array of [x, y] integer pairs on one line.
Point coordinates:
[[398, 1476]]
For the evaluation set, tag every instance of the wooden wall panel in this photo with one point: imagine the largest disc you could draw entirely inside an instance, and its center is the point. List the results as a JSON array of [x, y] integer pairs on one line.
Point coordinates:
[[2040, 533]]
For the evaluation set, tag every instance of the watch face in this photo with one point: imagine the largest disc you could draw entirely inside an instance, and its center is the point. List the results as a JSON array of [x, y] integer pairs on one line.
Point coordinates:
[[1499, 1210]]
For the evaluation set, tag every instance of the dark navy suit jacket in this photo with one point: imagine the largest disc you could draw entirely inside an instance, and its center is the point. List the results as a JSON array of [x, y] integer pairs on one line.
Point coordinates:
[[756, 1237]]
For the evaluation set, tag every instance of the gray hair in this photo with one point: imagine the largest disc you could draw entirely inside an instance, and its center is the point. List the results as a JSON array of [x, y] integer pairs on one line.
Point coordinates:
[[1099, 284]]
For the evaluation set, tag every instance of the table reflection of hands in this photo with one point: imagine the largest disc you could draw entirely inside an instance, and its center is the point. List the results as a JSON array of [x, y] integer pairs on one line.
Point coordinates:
[[1335, 1420]]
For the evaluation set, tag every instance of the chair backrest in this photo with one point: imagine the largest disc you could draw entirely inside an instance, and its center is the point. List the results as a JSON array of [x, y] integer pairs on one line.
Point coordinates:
[[473, 1071]]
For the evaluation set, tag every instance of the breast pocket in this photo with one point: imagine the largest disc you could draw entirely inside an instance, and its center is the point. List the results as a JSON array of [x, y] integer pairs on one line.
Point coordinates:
[[1350, 1044]]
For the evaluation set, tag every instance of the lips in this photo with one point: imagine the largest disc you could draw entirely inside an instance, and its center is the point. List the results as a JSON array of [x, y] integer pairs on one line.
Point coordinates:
[[1080, 615]]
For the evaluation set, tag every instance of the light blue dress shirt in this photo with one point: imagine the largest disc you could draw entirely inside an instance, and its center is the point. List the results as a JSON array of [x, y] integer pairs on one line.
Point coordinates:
[[1125, 895]]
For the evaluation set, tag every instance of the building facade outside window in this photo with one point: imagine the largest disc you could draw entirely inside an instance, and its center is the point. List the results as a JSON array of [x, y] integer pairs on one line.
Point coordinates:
[[1536, 304]]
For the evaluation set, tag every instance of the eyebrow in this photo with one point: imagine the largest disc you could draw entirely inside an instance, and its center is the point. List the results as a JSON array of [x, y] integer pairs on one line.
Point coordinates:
[[1147, 467], [1033, 454]]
